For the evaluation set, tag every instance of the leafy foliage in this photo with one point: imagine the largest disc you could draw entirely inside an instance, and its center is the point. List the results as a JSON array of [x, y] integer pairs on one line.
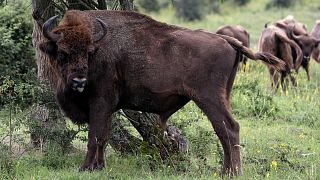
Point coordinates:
[[18, 68], [241, 2], [257, 103], [280, 3], [188, 9], [7, 163], [149, 5]]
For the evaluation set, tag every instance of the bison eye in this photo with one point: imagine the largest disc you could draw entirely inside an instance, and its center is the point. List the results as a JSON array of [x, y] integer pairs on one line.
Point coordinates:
[[62, 56]]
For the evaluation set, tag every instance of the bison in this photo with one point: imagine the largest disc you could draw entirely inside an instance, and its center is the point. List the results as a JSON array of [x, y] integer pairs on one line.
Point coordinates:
[[298, 32], [288, 39], [237, 32], [316, 34], [110, 60], [275, 40]]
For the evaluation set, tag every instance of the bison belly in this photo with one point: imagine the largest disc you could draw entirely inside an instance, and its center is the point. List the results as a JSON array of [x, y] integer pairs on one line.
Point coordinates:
[[152, 102]]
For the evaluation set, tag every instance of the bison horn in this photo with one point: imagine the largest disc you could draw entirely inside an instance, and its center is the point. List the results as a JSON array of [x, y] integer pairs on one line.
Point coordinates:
[[48, 34], [266, 24], [296, 37], [102, 33]]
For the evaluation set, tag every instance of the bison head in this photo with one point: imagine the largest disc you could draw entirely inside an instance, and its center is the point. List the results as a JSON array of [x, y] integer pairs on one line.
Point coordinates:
[[70, 45], [307, 43]]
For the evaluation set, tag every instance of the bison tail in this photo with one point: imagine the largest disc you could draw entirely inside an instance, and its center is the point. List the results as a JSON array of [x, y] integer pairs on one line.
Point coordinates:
[[264, 56], [271, 60], [295, 46]]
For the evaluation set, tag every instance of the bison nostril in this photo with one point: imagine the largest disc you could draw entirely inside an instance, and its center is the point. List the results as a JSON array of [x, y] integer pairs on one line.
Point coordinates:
[[79, 82]]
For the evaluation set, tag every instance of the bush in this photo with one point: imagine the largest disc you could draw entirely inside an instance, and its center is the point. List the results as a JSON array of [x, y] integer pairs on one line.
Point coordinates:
[[253, 101], [7, 162], [164, 3], [211, 6], [241, 2], [149, 5], [18, 68], [280, 3], [188, 9]]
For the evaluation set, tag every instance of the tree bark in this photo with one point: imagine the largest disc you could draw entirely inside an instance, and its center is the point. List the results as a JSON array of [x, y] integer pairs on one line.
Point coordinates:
[[126, 5], [47, 123], [40, 112], [102, 4], [170, 141]]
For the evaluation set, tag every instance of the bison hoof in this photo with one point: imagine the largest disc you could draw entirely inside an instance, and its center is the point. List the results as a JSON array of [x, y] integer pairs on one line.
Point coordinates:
[[92, 167]]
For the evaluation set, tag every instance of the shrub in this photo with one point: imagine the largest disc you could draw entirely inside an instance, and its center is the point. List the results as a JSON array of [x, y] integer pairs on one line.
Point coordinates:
[[7, 162], [18, 68], [211, 6], [241, 2], [149, 5], [53, 156], [253, 101], [280, 3], [188, 9]]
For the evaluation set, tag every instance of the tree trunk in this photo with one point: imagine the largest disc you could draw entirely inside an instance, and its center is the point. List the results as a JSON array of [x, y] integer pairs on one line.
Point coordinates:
[[170, 141], [126, 5], [47, 121], [40, 112]]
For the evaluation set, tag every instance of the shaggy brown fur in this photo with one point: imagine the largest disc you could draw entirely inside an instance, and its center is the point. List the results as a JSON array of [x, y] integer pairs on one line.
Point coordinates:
[[276, 41], [237, 32], [316, 34], [297, 31], [145, 65]]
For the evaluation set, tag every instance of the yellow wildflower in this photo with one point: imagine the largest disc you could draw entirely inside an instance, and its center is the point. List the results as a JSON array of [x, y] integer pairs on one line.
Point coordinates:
[[274, 164]]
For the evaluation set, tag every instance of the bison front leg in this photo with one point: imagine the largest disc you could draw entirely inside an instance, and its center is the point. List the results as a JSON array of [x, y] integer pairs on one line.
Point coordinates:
[[99, 133], [305, 66]]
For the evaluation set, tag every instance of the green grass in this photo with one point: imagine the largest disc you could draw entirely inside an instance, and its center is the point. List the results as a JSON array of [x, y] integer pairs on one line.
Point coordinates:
[[280, 133]]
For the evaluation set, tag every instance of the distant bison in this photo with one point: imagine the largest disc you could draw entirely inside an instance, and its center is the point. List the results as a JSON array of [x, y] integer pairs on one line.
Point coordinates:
[[316, 34], [237, 32], [289, 40], [299, 33], [108, 60], [275, 40]]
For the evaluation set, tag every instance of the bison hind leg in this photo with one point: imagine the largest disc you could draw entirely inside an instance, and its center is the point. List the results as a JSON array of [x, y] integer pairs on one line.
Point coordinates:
[[227, 129]]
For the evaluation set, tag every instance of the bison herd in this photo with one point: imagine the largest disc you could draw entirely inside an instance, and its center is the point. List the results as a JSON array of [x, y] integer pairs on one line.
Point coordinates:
[[103, 61], [287, 39]]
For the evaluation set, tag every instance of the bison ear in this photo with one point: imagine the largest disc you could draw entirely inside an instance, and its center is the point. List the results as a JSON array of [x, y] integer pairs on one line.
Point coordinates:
[[49, 48]]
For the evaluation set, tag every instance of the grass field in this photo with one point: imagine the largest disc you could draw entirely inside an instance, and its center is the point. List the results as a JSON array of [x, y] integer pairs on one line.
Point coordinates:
[[280, 133]]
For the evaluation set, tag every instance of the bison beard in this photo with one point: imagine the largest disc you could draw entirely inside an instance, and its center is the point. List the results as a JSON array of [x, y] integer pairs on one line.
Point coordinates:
[[144, 65]]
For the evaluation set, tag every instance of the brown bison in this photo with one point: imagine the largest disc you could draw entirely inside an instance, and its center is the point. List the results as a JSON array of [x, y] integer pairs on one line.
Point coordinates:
[[316, 34], [275, 40], [237, 32], [288, 39], [108, 60], [298, 32]]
